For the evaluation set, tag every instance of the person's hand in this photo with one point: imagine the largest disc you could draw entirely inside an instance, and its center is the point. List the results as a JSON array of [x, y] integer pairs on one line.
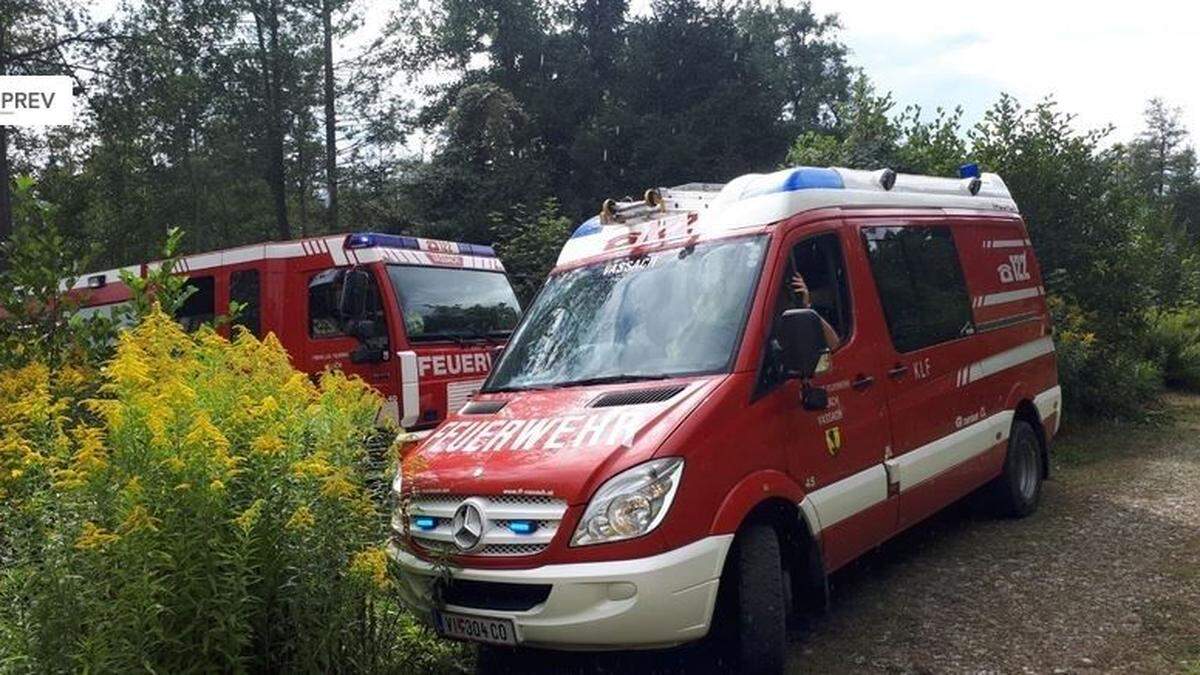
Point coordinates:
[[801, 289]]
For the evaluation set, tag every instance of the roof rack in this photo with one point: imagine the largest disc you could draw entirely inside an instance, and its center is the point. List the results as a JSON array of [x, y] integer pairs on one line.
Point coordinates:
[[759, 199]]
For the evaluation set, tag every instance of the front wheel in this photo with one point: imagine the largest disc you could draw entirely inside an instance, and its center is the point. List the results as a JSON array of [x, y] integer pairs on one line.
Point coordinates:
[[755, 603], [1018, 489]]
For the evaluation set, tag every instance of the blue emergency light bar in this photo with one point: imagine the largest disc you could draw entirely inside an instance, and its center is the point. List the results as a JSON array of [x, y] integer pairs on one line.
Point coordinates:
[[373, 239]]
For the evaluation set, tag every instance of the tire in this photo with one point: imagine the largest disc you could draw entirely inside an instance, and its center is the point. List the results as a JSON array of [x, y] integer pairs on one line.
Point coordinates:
[[755, 604], [1017, 491]]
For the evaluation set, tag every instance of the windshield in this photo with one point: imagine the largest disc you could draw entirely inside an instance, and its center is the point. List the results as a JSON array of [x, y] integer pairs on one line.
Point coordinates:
[[674, 312], [441, 303]]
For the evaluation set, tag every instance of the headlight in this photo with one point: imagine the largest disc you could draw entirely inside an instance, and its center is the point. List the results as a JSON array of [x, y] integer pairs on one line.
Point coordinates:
[[631, 503]]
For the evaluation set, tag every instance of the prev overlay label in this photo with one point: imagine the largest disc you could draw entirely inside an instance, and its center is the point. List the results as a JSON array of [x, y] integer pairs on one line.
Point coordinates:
[[36, 100]]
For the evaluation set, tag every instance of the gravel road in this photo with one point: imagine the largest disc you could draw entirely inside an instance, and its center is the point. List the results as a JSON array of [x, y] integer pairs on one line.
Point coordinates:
[[1105, 577]]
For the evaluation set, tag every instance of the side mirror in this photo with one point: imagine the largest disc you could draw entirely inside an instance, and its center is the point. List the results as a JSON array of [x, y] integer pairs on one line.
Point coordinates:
[[352, 303], [802, 341], [365, 354]]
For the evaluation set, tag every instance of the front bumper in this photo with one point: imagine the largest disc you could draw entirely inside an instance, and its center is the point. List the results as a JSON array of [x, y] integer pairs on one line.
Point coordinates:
[[660, 601]]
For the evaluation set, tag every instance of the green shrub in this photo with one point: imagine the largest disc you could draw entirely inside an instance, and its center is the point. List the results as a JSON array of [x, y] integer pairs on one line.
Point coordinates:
[[1099, 379], [205, 511], [1174, 343]]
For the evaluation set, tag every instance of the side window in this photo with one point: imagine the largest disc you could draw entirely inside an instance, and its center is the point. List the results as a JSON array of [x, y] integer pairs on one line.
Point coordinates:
[[920, 282], [200, 307], [324, 288], [244, 289], [818, 260]]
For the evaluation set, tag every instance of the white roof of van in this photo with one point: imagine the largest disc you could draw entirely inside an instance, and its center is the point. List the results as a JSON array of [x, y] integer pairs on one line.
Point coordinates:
[[760, 199]]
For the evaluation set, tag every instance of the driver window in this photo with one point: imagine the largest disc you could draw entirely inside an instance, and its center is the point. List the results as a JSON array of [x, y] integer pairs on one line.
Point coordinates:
[[324, 289], [818, 261]]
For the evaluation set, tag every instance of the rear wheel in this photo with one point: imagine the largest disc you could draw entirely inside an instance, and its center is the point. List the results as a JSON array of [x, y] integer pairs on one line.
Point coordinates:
[[755, 602], [1018, 490]]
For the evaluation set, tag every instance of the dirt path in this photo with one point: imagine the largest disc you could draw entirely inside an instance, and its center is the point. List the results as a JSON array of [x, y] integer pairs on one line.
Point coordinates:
[[1105, 577]]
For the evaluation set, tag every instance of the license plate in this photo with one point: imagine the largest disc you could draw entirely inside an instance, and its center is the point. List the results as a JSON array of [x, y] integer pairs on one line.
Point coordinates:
[[475, 628]]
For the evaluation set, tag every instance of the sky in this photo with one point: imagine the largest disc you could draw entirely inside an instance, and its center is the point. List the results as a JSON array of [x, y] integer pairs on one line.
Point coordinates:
[[1100, 60]]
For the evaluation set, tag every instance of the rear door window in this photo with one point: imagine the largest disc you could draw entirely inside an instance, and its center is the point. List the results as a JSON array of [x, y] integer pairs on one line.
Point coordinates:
[[921, 287], [244, 289], [200, 306]]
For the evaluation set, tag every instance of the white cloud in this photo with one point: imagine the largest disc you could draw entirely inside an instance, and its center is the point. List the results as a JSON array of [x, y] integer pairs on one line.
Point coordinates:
[[1100, 60]]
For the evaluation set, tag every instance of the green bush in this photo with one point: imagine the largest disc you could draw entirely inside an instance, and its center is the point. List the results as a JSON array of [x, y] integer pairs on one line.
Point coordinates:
[[1110, 380], [1174, 343], [206, 511]]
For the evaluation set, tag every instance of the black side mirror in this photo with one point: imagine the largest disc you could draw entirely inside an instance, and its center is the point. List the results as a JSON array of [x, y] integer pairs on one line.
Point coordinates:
[[366, 354], [352, 303], [802, 341]]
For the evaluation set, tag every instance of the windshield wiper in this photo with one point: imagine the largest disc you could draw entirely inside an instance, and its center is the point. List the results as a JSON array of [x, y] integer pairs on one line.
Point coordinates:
[[611, 379]]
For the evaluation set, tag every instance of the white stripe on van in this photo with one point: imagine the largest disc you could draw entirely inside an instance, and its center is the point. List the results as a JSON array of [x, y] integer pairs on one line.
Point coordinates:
[[1007, 296], [1005, 243], [1006, 359], [916, 466], [838, 501]]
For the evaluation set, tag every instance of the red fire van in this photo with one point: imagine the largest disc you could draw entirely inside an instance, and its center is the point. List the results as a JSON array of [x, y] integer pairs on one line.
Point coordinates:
[[416, 318], [722, 394]]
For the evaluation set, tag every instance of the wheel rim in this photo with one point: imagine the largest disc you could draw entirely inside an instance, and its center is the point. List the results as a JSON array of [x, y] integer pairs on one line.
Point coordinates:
[[1027, 469]]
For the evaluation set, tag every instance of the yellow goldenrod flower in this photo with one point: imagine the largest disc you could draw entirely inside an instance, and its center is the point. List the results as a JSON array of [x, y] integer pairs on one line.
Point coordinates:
[[247, 520], [302, 519], [267, 444], [94, 538], [371, 564], [138, 520]]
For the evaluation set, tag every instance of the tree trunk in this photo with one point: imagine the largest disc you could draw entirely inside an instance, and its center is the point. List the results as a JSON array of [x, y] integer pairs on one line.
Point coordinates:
[[330, 118], [269, 62], [6, 214]]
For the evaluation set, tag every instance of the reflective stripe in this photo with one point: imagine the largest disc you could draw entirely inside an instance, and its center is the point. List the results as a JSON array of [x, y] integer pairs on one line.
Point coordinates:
[[1005, 243], [1004, 360], [847, 497], [1048, 403], [947, 452], [1010, 358], [1008, 296], [410, 388]]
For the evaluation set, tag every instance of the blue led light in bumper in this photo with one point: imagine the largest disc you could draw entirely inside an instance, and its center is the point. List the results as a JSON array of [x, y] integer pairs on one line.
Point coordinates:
[[425, 522], [522, 526]]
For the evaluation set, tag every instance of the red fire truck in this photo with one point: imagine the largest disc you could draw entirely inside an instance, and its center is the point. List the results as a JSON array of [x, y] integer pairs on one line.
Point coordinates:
[[416, 318], [724, 393]]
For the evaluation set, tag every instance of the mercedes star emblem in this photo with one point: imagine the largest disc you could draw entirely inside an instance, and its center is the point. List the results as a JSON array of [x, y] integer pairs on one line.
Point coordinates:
[[467, 526]]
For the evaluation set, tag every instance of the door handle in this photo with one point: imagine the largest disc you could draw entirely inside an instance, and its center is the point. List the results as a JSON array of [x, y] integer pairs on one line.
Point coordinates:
[[898, 370], [862, 382]]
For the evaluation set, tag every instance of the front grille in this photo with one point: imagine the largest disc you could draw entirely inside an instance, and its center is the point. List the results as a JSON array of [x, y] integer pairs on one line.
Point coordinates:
[[436, 513], [493, 595], [636, 396]]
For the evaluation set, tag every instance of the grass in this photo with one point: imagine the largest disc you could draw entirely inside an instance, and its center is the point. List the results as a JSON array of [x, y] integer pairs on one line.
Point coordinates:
[[1086, 442]]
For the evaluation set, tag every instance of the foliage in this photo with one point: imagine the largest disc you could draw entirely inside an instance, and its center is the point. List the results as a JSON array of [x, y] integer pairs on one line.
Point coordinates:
[[35, 309], [1175, 344], [530, 243], [1100, 378], [205, 511]]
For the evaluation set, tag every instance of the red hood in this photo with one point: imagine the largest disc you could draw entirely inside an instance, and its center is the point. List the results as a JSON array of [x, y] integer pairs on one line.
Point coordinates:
[[549, 442]]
